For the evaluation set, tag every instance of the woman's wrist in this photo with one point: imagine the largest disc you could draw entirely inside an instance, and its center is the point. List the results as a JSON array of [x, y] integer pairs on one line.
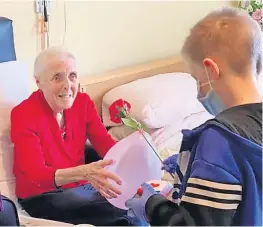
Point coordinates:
[[69, 175]]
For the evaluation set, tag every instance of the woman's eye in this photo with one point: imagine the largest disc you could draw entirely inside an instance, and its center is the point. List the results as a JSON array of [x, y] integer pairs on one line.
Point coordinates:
[[73, 76], [56, 77]]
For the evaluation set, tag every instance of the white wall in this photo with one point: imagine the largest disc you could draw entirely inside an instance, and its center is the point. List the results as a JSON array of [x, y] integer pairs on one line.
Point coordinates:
[[108, 35]]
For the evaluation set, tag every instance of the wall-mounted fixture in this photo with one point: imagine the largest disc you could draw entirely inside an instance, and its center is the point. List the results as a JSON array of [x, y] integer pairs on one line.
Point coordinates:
[[43, 11], [40, 6]]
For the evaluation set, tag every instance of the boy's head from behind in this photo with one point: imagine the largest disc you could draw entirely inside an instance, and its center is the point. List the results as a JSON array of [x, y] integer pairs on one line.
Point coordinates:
[[222, 49]]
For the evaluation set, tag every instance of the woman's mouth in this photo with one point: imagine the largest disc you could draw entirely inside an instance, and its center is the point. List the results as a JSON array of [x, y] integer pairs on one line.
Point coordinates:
[[65, 97]]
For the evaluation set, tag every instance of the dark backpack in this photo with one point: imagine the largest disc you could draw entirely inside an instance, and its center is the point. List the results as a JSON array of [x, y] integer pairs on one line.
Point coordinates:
[[8, 213]]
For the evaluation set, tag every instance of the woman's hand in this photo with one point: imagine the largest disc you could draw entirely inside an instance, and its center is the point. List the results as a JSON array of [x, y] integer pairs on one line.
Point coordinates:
[[95, 174]]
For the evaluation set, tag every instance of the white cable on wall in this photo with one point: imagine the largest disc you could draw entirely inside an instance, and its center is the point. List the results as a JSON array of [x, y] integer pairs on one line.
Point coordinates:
[[47, 24], [65, 22]]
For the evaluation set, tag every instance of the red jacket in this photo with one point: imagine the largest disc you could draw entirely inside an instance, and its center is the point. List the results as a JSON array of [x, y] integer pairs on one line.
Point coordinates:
[[39, 148]]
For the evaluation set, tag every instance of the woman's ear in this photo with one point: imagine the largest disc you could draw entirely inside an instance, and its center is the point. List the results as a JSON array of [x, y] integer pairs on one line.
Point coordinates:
[[37, 82], [212, 68]]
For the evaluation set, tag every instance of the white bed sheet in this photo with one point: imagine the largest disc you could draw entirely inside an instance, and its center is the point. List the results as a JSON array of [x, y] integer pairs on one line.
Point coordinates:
[[168, 139], [26, 220]]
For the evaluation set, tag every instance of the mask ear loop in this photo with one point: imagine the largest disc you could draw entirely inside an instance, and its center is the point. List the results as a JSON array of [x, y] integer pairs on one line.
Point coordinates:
[[199, 85], [209, 82]]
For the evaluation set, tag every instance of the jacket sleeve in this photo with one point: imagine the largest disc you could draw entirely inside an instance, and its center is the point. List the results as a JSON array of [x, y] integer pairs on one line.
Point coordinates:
[[97, 134], [28, 156], [211, 194], [205, 202], [163, 212]]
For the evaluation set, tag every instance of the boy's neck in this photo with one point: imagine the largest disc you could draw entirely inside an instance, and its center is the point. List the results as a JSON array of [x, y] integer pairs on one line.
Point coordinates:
[[243, 92]]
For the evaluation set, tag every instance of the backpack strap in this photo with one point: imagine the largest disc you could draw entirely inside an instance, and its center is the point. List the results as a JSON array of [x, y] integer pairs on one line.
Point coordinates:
[[7, 212]]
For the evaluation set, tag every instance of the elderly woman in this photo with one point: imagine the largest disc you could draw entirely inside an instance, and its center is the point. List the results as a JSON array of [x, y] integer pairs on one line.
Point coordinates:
[[49, 131]]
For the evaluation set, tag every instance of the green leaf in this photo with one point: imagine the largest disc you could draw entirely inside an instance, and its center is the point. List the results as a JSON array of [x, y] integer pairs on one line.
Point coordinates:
[[130, 123], [131, 118], [139, 124], [254, 5], [144, 127]]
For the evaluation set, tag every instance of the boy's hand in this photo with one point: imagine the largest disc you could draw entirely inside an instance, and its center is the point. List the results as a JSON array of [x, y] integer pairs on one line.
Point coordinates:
[[170, 164], [137, 205]]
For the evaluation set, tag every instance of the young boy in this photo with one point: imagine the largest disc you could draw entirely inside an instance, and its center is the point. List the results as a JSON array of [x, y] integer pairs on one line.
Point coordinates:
[[219, 178]]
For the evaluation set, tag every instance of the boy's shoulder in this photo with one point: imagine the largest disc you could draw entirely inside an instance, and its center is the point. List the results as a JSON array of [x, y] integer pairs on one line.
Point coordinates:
[[207, 134], [244, 120], [213, 144]]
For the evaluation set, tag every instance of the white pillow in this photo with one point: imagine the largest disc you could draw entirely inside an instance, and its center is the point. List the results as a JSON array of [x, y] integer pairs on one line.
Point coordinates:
[[7, 179], [122, 131], [14, 88], [156, 101], [161, 135], [15, 83]]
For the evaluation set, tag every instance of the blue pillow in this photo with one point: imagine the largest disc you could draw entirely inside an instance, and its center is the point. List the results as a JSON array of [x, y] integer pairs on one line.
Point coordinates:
[[7, 46]]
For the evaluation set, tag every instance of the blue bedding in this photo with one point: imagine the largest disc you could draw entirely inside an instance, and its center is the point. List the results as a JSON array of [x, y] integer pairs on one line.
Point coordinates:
[[7, 46]]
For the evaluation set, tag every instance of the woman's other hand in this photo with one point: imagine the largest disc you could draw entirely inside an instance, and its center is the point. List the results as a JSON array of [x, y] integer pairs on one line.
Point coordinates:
[[96, 175]]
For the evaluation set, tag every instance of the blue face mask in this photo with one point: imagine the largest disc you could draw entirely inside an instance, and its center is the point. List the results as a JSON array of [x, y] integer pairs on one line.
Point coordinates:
[[211, 102]]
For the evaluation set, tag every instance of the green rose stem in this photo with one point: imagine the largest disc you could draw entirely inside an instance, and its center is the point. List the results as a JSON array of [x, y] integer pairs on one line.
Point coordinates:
[[132, 123], [157, 154]]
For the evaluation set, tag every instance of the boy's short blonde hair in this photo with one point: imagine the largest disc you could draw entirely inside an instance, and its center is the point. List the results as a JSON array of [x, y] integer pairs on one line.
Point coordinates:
[[228, 34]]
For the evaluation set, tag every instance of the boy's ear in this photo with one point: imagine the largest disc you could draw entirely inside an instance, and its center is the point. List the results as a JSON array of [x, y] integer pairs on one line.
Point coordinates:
[[212, 68]]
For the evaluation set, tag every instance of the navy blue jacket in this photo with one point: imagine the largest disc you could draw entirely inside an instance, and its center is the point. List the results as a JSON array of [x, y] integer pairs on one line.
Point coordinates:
[[218, 181]]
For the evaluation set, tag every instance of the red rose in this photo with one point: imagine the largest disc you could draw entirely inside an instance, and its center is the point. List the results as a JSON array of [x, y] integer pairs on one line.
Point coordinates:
[[115, 110]]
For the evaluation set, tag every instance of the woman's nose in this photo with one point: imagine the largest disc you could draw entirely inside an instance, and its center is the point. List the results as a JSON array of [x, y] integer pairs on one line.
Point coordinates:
[[66, 84]]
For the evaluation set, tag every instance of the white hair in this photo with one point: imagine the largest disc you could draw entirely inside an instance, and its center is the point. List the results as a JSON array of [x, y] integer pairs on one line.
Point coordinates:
[[48, 55]]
